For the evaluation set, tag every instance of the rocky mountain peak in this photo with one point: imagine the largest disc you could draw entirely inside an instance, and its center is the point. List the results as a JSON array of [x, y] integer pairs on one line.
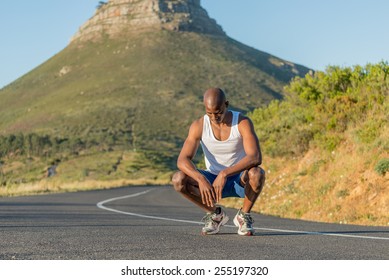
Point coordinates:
[[117, 17]]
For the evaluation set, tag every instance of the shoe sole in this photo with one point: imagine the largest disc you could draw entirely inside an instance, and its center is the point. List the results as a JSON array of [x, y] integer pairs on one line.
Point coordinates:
[[249, 233], [222, 223]]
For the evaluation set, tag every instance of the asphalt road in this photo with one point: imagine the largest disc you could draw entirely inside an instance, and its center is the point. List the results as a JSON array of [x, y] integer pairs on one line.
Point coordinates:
[[157, 223]]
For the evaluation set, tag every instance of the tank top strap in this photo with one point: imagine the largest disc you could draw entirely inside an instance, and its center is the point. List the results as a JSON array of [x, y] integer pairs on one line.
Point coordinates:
[[234, 125], [235, 118]]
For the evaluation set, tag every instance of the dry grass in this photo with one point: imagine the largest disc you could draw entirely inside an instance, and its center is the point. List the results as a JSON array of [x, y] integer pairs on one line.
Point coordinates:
[[340, 187], [52, 185], [86, 172]]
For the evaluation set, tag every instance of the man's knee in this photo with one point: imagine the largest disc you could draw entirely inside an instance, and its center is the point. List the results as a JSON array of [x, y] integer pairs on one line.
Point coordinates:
[[256, 176], [178, 181]]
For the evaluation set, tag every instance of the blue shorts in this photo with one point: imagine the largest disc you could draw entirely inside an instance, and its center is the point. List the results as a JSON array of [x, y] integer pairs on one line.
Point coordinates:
[[232, 188]]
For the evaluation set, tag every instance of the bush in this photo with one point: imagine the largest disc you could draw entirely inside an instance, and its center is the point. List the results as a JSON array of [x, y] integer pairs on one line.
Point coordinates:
[[382, 166], [319, 108]]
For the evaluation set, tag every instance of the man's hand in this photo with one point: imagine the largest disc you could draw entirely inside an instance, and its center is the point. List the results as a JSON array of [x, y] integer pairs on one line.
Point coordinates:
[[218, 185], [208, 195]]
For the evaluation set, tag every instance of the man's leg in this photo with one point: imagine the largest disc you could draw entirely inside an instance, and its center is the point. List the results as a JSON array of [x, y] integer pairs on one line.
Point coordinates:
[[189, 188], [253, 182]]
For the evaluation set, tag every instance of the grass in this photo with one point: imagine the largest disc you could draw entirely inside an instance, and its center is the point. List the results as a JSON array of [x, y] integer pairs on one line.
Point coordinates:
[[343, 190], [82, 172], [55, 186]]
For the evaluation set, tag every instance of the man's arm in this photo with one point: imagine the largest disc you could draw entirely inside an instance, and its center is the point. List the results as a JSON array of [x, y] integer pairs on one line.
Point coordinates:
[[186, 165]]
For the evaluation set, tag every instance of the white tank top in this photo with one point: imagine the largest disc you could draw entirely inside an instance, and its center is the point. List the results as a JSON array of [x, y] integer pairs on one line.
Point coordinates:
[[221, 154]]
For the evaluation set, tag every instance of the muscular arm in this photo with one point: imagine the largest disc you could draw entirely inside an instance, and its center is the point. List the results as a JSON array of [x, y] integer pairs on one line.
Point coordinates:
[[186, 165]]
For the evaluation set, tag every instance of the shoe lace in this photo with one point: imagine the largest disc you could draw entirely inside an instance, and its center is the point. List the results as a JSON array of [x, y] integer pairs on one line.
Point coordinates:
[[207, 218], [248, 219]]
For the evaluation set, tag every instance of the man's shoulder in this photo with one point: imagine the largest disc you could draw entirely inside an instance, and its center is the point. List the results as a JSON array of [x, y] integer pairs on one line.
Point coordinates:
[[245, 124], [242, 117], [198, 122], [197, 126]]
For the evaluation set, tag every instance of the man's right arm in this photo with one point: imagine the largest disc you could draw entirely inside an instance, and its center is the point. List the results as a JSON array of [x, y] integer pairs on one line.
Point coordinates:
[[186, 165], [188, 151]]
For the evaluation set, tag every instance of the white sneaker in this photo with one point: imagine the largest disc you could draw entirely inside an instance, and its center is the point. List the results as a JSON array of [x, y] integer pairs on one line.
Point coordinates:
[[213, 222], [244, 222]]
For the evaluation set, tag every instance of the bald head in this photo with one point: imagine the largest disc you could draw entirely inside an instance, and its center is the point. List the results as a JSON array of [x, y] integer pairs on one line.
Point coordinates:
[[216, 105], [214, 97]]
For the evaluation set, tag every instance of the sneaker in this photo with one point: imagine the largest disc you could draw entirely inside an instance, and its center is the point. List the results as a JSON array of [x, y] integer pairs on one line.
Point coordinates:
[[244, 222], [213, 222]]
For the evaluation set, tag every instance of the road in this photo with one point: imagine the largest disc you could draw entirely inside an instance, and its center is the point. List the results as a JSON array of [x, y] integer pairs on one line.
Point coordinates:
[[157, 223]]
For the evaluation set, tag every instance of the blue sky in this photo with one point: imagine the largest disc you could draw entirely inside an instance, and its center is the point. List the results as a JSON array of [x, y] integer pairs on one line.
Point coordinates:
[[314, 33]]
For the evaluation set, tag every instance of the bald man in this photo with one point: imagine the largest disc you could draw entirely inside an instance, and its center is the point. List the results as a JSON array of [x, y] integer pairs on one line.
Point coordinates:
[[232, 157]]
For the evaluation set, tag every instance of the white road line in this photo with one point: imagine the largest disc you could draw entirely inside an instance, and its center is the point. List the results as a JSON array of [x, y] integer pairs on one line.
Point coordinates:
[[101, 206]]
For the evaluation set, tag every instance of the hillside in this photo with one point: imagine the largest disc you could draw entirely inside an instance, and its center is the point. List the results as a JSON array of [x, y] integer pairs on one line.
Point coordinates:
[[327, 147], [117, 101]]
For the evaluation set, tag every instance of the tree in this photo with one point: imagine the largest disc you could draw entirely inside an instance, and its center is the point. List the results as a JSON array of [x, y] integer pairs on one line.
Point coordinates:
[[101, 4]]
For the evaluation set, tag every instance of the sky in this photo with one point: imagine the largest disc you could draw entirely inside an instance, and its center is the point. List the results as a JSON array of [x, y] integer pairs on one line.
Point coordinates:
[[313, 33]]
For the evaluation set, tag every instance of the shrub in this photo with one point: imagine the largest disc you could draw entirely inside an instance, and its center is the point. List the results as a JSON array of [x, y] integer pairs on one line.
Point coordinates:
[[319, 108], [369, 131], [382, 166]]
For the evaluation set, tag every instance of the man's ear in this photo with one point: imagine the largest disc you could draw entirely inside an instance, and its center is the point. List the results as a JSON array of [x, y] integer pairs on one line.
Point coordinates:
[[227, 103]]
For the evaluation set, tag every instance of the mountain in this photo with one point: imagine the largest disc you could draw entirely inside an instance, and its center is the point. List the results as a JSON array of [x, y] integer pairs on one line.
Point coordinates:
[[132, 78]]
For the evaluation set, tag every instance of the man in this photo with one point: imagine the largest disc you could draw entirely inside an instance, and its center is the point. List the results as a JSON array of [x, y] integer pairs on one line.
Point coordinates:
[[232, 157]]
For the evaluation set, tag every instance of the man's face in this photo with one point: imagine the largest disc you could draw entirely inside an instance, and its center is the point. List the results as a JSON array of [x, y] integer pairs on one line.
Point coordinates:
[[216, 113]]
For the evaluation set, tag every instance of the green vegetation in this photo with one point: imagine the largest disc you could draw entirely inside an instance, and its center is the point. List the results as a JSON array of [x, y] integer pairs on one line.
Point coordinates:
[[320, 107], [382, 166], [101, 4], [326, 147]]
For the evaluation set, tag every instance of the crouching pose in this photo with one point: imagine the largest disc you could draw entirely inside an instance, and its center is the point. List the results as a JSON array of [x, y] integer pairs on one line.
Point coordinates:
[[232, 157]]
